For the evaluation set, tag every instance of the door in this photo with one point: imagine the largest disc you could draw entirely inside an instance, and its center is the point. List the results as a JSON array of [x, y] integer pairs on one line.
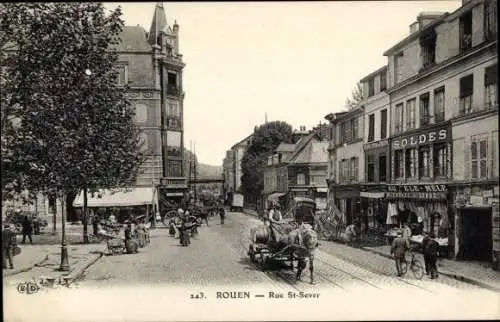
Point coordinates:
[[348, 210], [477, 234]]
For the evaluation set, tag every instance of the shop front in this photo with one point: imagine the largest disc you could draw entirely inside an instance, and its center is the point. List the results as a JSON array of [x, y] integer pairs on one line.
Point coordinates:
[[374, 207], [425, 208], [348, 201], [478, 223]]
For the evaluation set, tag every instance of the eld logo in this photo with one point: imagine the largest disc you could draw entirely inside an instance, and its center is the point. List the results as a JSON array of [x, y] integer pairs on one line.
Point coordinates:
[[28, 288]]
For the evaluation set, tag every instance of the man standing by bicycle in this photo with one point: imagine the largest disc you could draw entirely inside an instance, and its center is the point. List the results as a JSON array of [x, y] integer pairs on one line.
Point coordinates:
[[398, 249], [431, 250]]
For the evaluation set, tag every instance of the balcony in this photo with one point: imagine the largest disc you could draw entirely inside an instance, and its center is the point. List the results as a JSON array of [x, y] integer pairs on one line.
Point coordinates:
[[172, 89]]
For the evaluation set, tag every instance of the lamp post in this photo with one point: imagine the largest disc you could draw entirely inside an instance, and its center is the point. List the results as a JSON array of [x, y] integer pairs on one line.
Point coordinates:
[[64, 266]]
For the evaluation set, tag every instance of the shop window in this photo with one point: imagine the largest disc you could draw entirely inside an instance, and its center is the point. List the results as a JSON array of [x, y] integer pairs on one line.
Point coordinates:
[[466, 91], [410, 114], [382, 168], [425, 117], [423, 162], [479, 158], [491, 86], [398, 118], [466, 31], [439, 105], [383, 124], [371, 127], [440, 156], [398, 164], [411, 163], [370, 168]]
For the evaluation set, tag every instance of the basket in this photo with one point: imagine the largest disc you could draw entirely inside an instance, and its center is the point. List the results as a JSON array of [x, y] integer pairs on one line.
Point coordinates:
[[117, 242]]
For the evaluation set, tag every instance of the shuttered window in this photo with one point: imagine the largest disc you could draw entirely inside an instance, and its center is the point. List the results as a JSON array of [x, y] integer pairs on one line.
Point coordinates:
[[490, 85]]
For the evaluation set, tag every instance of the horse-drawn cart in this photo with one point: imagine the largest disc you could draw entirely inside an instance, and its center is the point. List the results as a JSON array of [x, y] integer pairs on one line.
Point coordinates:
[[290, 244]]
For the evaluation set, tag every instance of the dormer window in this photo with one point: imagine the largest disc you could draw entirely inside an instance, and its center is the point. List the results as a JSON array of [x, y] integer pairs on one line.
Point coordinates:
[[428, 46], [466, 31], [398, 67], [383, 81], [371, 86]]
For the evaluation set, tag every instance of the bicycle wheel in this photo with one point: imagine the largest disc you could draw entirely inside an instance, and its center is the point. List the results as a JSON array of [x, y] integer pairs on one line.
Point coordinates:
[[404, 267], [417, 269]]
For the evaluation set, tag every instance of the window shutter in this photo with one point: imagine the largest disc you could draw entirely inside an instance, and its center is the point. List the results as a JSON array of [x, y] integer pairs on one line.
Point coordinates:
[[491, 75], [466, 85], [467, 159]]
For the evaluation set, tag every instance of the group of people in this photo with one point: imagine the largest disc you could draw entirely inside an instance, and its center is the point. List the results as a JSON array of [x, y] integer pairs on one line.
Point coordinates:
[[430, 248], [136, 236]]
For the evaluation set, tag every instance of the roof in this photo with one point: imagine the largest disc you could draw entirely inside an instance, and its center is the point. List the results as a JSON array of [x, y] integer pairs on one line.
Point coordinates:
[[314, 152], [242, 142], [378, 71], [133, 38], [124, 198], [158, 24], [285, 147]]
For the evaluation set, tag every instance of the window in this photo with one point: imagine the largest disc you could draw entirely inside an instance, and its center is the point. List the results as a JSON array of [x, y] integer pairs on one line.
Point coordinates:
[[439, 105], [410, 114], [331, 132], [121, 77], [347, 132], [174, 168], [466, 31], [301, 179], [342, 137], [398, 164], [354, 128], [383, 81], [143, 141], [371, 86], [428, 44], [398, 67], [353, 175], [411, 163], [383, 124], [173, 109], [345, 170], [370, 168], [490, 85], [382, 168], [172, 86], [490, 19], [424, 110], [398, 118], [466, 90], [440, 162], [424, 165], [479, 150], [371, 127]]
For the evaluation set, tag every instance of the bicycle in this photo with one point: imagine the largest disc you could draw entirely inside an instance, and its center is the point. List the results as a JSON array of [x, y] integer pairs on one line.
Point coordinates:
[[415, 265]]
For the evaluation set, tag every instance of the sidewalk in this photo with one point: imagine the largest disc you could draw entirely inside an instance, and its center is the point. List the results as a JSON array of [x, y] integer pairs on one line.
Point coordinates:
[[480, 274], [36, 261]]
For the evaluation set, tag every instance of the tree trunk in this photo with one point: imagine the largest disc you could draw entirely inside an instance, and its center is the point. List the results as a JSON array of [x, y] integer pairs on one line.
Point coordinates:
[[85, 217]]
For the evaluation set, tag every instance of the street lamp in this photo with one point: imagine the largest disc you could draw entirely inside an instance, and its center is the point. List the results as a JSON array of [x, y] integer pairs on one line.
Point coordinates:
[[64, 266]]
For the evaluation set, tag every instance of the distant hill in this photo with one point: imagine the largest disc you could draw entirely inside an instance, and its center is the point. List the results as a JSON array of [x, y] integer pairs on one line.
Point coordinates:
[[209, 171]]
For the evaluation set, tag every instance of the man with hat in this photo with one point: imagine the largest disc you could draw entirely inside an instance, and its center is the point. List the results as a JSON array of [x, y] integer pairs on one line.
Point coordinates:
[[398, 249], [8, 244], [430, 249]]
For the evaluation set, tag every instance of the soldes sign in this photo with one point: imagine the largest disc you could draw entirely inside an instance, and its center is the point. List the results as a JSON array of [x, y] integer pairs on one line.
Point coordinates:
[[421, 139]]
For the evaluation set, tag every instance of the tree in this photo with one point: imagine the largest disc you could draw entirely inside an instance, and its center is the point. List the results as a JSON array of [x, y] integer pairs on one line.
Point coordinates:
[[76, 128], [265, 140], [356, 97]]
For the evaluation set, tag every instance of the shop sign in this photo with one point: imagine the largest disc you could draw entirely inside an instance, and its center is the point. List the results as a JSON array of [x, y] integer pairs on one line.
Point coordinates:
[[421, 139], [476, 200], [418, 188], [416, 195], [375, 145]]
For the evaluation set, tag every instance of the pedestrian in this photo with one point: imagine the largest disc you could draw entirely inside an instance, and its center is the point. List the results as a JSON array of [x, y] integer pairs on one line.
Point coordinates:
[[8, 244], [130, 244], [95, 223], [425, 242], [406, 234], [141, 234], [27, 229], [222, 214], [36, 224], [432, 250], [398, 249]]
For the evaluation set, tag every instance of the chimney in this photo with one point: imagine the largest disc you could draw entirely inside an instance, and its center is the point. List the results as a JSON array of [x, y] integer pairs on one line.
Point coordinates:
[[425, 18], [414, 27]]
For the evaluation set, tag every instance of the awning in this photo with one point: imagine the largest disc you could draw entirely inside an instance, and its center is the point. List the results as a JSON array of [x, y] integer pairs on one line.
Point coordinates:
[[275, 195], [322, 189], [121, 198], [374, 195]]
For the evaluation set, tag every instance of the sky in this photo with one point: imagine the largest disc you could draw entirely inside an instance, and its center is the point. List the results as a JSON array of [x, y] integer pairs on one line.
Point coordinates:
[[294, 61]]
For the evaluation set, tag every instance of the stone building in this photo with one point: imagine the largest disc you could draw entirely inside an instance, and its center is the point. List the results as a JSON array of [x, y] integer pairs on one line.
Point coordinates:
[[444, 126]]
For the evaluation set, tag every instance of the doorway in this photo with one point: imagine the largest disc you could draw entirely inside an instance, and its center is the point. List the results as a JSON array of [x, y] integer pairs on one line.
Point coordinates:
[[348, 210], [476, 229]]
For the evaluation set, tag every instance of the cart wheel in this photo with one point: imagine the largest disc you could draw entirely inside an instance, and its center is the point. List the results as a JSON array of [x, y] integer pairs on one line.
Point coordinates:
[[417, 269], [251, 253], [263, 261]]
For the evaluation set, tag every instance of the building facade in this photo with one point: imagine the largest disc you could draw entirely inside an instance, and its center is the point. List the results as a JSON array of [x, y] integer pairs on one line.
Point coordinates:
[[441, 80], [276, 175], [346, 159], [376, 169]]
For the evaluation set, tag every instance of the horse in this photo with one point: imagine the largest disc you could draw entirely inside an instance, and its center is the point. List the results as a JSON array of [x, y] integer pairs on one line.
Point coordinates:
[[307, 239]]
